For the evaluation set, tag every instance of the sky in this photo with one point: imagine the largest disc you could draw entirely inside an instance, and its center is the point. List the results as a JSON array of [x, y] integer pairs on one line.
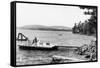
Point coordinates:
[[49, 15]]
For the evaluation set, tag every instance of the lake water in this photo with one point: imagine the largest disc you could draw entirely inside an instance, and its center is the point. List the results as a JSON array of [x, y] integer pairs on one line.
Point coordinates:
[[60, 38]]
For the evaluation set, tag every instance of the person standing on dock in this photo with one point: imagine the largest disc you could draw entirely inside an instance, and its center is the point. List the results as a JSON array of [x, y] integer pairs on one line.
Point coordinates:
[[35, 40]]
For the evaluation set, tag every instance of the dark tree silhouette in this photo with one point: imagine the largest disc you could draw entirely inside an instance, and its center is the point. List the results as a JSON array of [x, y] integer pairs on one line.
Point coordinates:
[[88, 27]]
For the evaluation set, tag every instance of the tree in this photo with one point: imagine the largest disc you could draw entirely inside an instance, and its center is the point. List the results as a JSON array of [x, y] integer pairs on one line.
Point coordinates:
[[92, 22], [88, 27]]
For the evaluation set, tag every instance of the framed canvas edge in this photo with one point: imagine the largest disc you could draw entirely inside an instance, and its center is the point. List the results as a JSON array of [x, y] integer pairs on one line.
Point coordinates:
[[13, 34], [13, 31]]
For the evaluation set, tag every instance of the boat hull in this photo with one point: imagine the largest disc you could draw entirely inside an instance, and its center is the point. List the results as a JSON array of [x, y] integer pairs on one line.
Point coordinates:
[[37, 48]]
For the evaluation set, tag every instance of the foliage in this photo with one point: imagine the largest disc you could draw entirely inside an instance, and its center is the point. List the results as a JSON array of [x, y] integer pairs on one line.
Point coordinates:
[[88, 27], [89, 51]]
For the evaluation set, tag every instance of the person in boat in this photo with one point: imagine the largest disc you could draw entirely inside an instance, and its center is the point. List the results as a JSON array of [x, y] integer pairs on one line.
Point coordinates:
[[35, 40]]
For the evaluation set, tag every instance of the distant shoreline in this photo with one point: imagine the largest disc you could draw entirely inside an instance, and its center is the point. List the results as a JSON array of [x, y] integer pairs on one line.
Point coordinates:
[[45, 29]]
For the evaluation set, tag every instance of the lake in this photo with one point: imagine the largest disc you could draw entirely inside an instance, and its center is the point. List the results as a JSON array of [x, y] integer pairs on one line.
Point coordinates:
[[60, 38]]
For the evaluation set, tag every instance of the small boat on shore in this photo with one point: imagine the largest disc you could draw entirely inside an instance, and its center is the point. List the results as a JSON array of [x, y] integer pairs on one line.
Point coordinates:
[[63, 59]]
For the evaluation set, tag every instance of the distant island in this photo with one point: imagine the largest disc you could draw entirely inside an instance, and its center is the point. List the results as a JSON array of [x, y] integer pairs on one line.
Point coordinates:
[[49, 28]]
